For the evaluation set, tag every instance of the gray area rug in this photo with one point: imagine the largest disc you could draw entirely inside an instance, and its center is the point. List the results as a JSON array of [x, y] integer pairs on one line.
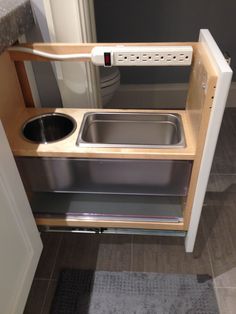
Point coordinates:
[[102, 292]]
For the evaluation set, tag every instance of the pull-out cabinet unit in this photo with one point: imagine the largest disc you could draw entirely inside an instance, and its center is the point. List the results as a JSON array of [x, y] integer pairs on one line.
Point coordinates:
[[120, 187]]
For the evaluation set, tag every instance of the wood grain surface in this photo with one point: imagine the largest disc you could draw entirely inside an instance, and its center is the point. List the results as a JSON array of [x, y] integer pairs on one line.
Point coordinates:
[[68, 147]]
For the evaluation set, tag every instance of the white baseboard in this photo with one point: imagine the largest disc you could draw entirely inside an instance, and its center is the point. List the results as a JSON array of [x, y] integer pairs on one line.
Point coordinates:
[[158, 96]]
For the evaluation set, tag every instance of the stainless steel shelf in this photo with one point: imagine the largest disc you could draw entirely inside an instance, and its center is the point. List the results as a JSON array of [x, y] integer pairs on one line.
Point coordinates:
[[108, 176], [112, 207]]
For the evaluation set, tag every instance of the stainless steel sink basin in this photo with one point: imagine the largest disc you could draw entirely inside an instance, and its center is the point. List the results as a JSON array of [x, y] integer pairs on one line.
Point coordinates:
[[146, 130], [48, 128]]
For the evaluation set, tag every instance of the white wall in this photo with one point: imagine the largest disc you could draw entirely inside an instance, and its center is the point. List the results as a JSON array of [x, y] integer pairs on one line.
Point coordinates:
[[44, 76]]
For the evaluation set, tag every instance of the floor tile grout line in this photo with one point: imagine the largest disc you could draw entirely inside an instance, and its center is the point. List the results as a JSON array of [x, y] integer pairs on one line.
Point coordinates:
[[223, 174], [216, 286], [98, 250], [209, 253], [218, 300], [50, 279], [45, 297], [59, 244], [41, 279], [226, 287], [56, 256], [212, 270], [132, 253]]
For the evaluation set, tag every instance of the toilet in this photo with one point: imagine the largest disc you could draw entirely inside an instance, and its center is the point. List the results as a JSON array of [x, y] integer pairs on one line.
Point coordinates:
[[109, 83]]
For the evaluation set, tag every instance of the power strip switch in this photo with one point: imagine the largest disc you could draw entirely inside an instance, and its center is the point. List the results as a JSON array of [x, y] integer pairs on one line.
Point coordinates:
[[142, 55]]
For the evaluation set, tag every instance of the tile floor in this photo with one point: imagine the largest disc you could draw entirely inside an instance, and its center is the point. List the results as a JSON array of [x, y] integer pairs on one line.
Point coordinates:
[[215, 251]]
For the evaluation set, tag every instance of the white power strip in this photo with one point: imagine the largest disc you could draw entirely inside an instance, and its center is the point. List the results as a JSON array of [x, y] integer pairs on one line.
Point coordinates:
[[142, 55]]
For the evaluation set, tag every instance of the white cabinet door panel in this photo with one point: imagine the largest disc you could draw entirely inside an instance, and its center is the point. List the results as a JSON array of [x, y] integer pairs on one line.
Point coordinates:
[[20, 244]]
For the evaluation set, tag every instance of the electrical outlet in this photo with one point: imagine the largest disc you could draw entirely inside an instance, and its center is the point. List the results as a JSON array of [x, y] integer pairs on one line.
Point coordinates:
[[142, 55]]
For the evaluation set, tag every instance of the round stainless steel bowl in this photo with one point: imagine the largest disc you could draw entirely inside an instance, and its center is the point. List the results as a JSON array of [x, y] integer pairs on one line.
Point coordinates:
[[48, 128]]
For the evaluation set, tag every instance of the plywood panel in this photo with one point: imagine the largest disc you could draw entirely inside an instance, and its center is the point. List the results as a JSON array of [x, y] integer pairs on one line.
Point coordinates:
[[201, 89], [198, 110], [68, 147], [11, 101], [24, 83]]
